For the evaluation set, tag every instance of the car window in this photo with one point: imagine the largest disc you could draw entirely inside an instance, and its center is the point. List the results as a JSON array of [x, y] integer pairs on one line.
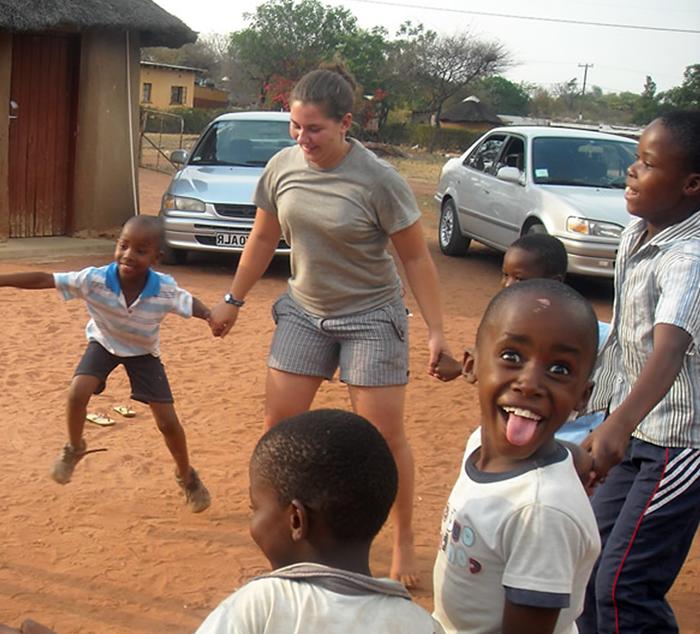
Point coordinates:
[[241, 142], [513, 155], [586, 162], [485, 155]]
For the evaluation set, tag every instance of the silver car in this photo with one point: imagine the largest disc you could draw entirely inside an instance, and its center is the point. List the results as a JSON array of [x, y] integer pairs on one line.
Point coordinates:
[[209, 203], [517, 180]]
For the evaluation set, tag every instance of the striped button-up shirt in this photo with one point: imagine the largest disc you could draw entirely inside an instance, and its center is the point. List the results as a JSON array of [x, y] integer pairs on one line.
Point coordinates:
[[126, 331], [655, 283]]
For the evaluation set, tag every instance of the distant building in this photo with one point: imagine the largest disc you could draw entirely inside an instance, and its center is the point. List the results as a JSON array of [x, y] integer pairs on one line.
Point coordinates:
[[165, 86], [69, 88], [470, 113]]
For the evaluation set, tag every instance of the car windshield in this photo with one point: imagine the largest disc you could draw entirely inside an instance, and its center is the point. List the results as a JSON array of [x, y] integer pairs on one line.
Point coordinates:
[[580, 161], [241, 142]]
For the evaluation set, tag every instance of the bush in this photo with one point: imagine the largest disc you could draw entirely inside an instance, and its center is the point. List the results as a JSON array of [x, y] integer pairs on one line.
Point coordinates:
[[194, 120], [427, 136]]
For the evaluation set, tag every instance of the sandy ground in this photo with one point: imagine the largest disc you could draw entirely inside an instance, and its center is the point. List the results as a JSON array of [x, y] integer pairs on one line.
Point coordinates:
[[116, 551]]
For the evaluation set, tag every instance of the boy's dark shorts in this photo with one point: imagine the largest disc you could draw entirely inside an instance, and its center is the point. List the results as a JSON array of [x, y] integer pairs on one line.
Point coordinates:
[[149, 383]]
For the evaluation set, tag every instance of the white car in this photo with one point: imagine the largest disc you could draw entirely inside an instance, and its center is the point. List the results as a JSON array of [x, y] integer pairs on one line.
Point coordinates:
[[517, 180], [209, 203]]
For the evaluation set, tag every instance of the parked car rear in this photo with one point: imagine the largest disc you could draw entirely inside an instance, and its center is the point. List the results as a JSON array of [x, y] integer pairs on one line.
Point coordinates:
[[517, 180], [208, 205]]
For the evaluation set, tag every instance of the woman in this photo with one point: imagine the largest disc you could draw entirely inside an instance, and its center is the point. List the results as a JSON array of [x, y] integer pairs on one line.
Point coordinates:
[[338, 205]]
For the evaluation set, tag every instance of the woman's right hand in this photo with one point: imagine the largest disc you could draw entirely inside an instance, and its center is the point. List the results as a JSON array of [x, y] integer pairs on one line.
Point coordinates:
[[222, 318]]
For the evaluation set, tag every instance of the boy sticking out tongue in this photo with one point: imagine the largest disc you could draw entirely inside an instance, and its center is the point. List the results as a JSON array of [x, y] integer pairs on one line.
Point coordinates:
[[519, 538]]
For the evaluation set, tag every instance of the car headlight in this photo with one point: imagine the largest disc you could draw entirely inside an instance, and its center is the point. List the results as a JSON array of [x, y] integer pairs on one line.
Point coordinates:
[[587, 227], [181, 203]]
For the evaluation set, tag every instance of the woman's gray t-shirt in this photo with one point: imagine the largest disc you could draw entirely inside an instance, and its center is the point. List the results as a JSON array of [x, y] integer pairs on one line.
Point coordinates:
[[338, 222]]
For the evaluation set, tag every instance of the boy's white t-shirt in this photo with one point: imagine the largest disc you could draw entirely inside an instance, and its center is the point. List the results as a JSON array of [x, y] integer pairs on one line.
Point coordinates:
[[273, 605], [532, 531]]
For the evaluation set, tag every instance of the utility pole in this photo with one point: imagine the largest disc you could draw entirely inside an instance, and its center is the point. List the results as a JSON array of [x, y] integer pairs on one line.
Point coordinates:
[[585, 75]]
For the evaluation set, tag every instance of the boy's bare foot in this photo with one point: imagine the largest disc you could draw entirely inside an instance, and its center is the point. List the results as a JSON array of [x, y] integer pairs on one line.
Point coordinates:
[[404, 566]]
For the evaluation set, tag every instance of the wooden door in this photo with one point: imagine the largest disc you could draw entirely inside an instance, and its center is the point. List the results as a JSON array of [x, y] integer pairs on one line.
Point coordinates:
[[43, 100]]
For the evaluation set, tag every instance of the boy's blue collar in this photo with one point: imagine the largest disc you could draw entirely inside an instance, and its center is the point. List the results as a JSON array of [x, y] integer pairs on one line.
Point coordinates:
[[150, 289]]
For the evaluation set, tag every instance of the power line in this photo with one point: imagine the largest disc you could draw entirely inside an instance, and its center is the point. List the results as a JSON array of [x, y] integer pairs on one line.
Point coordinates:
[[531, 18]]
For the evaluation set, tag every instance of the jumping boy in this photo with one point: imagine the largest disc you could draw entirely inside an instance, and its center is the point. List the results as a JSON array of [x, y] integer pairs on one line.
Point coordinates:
[[126, 301], [519, 537], [648, 507], [321, 486]]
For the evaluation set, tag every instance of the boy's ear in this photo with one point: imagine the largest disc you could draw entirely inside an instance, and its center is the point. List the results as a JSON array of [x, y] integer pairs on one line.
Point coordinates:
[[692, 185], [468, 367], [583, 401], [298, 520]]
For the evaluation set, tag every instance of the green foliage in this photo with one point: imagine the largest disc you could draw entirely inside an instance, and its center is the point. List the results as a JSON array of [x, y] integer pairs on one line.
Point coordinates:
[[687, 95], [194, 120], [502, 95], [424, 135]]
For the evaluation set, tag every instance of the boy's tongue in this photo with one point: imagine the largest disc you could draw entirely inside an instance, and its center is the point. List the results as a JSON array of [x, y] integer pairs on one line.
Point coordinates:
[[520, 430]]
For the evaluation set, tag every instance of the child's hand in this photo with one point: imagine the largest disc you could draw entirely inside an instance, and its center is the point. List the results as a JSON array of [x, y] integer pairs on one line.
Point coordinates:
[[447, 368], [607, 444]]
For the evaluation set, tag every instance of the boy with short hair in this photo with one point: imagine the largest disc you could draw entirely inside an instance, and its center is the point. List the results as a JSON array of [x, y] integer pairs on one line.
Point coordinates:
[[321, 486], [534, 255], [126, 301], [648, 507], [519, 537]]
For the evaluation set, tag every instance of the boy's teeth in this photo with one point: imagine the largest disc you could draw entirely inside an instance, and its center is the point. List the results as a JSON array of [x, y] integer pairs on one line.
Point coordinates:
[[519, 411]]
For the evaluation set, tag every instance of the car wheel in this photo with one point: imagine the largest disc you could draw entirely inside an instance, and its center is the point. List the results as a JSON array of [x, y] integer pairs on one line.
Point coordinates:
[[535, 227], [449, 234], [173, 256]]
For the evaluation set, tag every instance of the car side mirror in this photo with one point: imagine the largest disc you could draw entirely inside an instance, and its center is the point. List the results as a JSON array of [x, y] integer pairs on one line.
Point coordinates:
[[509, 174], [179, 157]]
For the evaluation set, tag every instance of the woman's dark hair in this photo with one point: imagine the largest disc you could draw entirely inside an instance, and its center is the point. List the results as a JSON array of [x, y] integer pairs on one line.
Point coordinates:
[[332, 88]]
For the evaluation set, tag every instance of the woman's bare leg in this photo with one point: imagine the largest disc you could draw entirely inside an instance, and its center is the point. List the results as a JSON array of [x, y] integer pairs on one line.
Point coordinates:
[[288, 394], [384, 408]]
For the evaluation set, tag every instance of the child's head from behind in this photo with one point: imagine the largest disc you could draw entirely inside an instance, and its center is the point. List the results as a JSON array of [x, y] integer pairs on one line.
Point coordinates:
[[534, 255], [663, 184], [138, 246], [535, 350], [319, 481]]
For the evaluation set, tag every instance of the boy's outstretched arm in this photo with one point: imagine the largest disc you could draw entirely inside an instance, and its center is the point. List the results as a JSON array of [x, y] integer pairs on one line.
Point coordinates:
[[526, 619], [28, 280], [200, 310], [608, 442]]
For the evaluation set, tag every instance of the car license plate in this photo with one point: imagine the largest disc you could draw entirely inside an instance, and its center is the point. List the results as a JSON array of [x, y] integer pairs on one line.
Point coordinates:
[[231, 239]]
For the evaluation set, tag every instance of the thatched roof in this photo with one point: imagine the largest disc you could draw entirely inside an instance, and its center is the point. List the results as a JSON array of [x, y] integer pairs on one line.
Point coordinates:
[[155, 25], [470, 110]]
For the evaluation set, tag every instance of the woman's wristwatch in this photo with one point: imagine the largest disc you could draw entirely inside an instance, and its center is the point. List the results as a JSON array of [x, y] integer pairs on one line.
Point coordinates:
[[230, 299]]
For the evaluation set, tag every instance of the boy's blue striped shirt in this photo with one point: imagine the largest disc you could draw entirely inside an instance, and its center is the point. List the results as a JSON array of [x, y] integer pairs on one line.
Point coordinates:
[[124, 331]]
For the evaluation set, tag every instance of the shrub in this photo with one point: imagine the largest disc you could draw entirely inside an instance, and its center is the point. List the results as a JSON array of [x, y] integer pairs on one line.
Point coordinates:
[[426, 136]]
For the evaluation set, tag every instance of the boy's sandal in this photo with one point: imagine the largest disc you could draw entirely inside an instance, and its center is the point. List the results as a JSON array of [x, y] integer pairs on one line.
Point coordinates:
[[124, 410], [100, 419]]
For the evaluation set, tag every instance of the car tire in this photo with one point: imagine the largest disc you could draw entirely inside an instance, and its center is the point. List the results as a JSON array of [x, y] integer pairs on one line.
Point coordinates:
[[173, 256], [535, 227], [450, 237]]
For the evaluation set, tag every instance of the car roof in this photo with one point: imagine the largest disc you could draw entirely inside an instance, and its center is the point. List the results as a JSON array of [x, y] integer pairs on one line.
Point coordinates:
[[258, 115], [560, 131]]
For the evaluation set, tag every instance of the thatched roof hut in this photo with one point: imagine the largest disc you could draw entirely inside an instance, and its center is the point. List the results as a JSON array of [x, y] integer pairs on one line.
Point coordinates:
[[69, 87], [155, 25], [469, 111]]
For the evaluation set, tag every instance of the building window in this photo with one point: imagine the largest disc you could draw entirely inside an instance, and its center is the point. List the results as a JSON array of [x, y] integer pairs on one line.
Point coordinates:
[[146, 96], [178, 95]]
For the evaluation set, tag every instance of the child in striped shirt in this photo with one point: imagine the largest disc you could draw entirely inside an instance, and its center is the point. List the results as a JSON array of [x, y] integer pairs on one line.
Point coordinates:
[[126, 301]]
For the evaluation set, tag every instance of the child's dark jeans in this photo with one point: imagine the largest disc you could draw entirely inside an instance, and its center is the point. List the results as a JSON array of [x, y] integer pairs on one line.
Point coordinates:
[[647, 512]]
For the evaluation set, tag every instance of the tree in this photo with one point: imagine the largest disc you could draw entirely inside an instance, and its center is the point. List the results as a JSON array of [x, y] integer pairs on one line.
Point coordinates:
[[647, 106], [287, 39], [209, 53], [440, 65], [503, 96], [687, 95]]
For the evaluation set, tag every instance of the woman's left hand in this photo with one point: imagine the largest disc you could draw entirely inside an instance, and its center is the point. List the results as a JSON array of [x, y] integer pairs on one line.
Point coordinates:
[[436, 346]]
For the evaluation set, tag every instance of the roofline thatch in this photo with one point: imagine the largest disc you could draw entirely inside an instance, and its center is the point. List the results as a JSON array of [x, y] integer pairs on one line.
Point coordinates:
[[155, 26]]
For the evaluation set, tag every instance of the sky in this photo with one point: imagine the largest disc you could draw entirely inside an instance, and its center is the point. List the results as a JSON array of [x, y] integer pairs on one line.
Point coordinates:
[[547, 49]]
